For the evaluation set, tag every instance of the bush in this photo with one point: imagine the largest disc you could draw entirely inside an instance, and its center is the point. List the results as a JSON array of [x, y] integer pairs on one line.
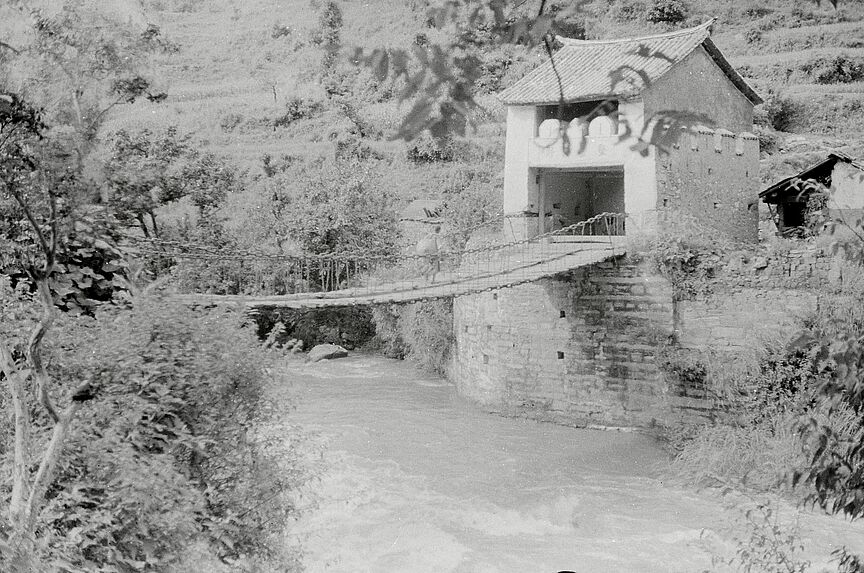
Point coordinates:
[[427, 149], [837, 70], [231, 121], [753, 35], [769, 141], [165, 454], [336, 207], [668, 11], [628, 10], [421, 332], [297, 108], [350, 327], [782, 112]]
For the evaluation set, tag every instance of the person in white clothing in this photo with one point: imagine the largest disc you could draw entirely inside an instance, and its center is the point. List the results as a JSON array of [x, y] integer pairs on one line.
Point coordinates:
[[430, 249]]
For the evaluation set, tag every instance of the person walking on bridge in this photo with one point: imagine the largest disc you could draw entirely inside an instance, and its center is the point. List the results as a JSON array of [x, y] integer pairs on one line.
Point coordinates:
[[429, 248]]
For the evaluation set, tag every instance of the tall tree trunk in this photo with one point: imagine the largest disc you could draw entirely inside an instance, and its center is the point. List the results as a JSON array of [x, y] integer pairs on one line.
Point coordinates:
[[16, 380], [29, 497]]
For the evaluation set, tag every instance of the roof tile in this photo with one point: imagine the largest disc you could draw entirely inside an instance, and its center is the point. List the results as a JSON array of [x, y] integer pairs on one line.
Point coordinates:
[[595, 69]]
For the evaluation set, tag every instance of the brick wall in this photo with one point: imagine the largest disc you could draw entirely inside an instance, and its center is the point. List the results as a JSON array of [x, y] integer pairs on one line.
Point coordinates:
[[710, 179], [578, 350], [583, 349]]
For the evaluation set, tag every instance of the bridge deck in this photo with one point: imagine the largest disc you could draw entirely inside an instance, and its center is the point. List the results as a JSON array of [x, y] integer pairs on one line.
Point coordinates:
[[508, 267]]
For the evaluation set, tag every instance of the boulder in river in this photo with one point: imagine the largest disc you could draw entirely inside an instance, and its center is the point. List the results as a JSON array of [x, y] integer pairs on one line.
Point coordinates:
[[326, 352]]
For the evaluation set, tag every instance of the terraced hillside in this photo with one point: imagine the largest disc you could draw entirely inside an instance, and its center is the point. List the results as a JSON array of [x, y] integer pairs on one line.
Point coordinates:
[[245, 79]]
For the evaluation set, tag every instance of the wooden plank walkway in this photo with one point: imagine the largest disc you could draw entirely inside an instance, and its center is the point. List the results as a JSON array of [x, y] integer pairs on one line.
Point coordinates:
[[509, 266]]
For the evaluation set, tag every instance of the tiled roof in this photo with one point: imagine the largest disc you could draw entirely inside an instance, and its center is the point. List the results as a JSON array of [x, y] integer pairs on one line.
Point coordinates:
[[594, 69]]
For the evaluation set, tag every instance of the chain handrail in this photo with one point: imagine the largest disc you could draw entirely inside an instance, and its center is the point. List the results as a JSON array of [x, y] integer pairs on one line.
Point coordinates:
[[358, 275], [212, 254]]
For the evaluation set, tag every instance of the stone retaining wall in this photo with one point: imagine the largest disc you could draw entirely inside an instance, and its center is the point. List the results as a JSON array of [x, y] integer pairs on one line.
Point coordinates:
[[585, 348]]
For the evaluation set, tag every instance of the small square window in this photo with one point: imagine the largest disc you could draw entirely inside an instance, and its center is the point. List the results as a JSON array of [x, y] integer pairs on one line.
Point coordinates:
[[563, 314], [560, 355]]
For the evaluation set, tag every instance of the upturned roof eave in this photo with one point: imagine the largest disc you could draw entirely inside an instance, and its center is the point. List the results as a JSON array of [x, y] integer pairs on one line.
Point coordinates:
[[726, 67]]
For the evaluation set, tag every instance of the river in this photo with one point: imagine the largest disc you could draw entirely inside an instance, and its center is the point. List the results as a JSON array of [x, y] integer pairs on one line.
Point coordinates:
[[412, 478]]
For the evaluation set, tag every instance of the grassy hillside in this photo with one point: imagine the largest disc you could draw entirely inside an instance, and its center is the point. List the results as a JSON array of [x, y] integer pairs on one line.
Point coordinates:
[[239, 67]]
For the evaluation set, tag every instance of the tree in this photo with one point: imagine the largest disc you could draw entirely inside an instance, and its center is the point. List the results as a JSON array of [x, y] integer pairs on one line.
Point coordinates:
[[76, 64], [331, 210], [35, 181], [73, 66]]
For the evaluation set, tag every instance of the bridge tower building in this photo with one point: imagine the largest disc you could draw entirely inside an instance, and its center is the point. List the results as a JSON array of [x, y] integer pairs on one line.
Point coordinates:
[[657, 127]]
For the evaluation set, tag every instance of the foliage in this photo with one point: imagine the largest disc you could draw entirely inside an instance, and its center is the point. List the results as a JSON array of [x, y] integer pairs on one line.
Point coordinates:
[[477, 202], [77, 64], [839, 69], [770, 546], [328, 36], [689, 263], [421, 332], [145, 170], [297, 108], [835, 338], [752, 442], [425, 149], [91, 269], [781, 111], [164, 453], [337, 207], [670, 11], [348, 327]]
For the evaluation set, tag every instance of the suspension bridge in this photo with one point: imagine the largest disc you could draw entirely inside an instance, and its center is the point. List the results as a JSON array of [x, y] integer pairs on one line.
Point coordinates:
[[354, 279]]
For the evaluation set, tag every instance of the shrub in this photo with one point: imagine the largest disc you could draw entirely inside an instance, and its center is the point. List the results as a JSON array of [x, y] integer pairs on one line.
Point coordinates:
[[426, 149], [421, 332], [753, 35], [338, 206], [769, 544], [768, 139], [782, 112], [231, 121], [165, 453], [350, 327], [668, 11], [628, 10], [839, 69], [754, 456], [297, 108]]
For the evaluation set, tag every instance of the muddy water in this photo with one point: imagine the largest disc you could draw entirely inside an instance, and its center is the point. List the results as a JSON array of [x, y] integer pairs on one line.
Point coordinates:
[[414, 479]]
